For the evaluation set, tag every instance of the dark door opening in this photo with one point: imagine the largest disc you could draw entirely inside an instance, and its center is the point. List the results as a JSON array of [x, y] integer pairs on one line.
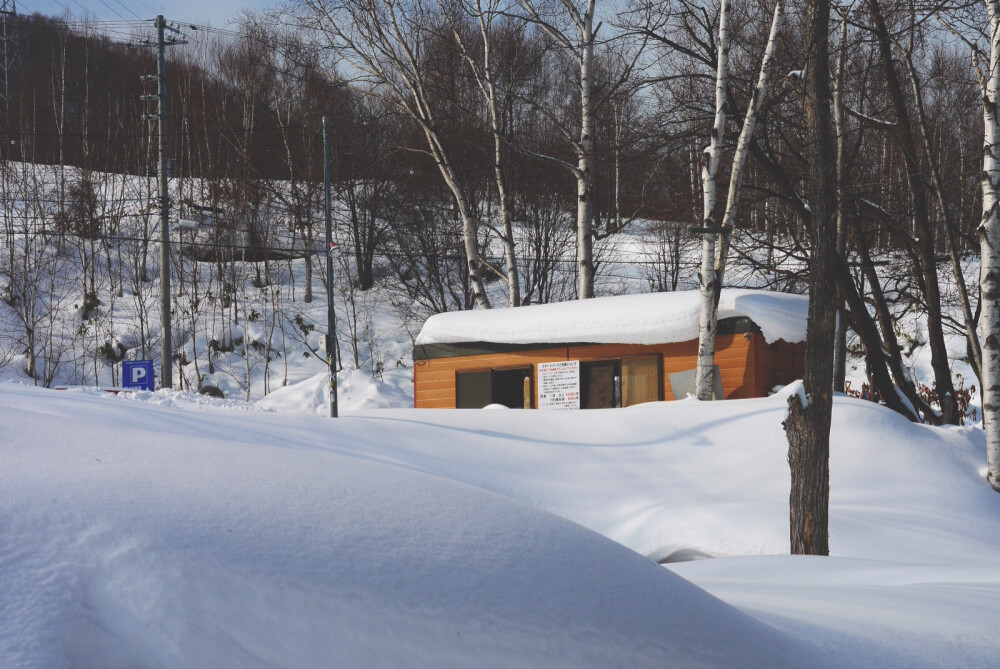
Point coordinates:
[[511, 386], [597, 384]]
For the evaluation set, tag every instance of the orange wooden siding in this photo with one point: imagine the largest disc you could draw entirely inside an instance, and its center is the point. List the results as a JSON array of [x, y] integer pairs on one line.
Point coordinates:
[[748, 366], [779, 364], [434, 380]]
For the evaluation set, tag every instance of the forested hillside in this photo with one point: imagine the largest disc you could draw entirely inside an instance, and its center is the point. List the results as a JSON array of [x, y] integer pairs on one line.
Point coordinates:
[[470, 146]]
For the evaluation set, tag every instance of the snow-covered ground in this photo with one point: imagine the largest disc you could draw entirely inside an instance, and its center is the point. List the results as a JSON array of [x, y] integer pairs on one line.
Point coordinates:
[[171, 530]]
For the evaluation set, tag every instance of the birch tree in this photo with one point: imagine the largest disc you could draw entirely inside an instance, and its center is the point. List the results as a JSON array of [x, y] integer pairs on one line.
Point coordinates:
[[383, 41], [711, 158], [576, 41], [715, 244], [989, 235], [487, 13]]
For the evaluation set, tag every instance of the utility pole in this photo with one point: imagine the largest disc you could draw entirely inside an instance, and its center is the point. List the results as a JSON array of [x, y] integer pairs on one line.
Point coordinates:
[[10, 56], [163, 184], [331, 315]]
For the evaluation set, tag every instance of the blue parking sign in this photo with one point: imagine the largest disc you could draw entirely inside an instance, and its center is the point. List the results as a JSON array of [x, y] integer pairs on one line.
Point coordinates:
[[137, 374]]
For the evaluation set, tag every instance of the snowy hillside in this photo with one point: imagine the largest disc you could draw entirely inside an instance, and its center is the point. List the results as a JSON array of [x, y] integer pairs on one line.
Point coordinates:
[[171, 530]]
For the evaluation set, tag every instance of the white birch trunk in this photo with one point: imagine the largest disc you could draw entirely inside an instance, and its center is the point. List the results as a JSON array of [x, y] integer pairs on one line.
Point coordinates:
[[488, 86], [710, 169], [989, 234], [743, 145], [585, 160], [470, 226], [580, 46], [382, 41], [507, 229]]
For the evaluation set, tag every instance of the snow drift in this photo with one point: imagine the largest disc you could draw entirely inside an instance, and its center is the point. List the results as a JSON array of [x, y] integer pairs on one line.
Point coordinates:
[[171, 530]]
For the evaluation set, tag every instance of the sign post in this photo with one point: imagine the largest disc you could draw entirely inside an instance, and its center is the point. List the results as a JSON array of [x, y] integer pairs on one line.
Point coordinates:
[[137, 374]]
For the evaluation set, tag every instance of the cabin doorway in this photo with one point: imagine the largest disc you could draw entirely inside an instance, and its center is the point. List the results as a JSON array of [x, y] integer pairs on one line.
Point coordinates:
[[509, 387]]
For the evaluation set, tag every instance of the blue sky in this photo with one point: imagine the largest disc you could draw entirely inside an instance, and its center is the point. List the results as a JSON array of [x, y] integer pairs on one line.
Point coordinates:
[[216, 12]]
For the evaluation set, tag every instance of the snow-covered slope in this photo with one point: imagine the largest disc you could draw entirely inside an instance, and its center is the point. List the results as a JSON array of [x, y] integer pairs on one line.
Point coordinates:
[[169, 530]]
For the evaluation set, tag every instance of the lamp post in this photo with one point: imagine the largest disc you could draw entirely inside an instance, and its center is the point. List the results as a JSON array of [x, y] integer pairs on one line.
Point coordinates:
[[331, 315]]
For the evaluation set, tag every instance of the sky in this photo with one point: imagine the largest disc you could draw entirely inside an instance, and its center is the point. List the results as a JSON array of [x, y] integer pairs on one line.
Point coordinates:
[[217, 12]]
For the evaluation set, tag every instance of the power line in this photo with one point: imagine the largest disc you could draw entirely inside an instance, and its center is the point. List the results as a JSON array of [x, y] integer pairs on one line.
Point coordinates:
[[129, 9], [113, 10]]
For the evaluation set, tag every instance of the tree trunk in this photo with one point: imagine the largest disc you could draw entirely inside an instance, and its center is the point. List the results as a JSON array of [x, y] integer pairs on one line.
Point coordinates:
[[972, 341], [808, 424], [840, 338], [500, 168], [718, 246], [585, 162], [989, 234], [743, 144], [926, 273], [470, 227], [711, 158]]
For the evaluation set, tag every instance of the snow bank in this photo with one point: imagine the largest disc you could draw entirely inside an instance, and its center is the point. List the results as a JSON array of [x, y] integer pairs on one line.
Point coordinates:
[[356, 390], [651, 318], [137, 535]]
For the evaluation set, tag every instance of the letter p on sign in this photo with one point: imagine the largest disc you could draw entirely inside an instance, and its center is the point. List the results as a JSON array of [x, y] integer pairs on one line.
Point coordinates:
[[137, 374]]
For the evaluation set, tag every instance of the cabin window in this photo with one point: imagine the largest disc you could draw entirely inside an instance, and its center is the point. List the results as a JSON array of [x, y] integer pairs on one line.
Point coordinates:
[[473, 390], [640, 380], [509, 387], [620, 383]]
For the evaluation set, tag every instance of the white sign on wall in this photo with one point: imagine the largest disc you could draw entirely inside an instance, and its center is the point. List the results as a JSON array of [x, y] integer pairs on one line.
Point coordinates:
[[559, 385]]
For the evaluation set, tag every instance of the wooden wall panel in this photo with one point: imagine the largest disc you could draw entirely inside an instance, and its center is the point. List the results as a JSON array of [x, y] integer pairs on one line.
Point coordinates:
[[433, 377], [780, 364], [749, 367]]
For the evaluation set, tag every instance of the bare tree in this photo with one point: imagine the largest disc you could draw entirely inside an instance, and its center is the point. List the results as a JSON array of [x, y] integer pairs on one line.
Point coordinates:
[[715, 244], [922, 239], [808, 424], [384, 41], [577, 41], [495, 92]]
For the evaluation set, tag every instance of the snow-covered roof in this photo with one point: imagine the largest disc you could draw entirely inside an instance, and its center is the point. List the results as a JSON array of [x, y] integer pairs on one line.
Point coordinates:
[[650, 318]]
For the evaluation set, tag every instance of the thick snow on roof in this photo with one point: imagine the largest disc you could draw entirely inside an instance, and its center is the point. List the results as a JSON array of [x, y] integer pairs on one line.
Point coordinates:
[[651, 318]]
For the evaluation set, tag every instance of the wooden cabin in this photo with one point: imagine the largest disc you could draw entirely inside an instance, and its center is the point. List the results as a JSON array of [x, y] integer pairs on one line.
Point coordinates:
[[606, 352]]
